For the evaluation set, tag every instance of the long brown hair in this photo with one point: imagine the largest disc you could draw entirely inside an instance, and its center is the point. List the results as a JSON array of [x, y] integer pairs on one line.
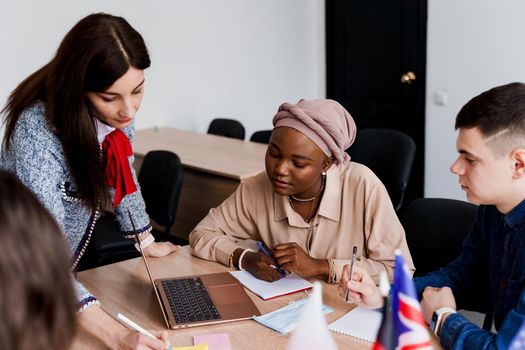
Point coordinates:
[[97, 51], [37, 301]]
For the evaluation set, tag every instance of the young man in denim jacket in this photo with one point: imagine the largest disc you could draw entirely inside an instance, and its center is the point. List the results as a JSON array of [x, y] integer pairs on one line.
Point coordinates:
[[489, 275]]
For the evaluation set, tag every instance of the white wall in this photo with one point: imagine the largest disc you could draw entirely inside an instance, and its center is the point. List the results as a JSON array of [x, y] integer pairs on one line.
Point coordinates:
[[228, 58], [242, 58], [472, 45]]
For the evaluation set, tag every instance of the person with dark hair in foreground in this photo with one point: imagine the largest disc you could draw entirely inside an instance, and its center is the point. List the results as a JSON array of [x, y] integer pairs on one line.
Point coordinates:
[[37, 300]]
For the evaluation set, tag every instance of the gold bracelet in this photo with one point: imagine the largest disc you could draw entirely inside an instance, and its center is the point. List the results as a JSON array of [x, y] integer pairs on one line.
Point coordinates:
[[230, 260], [331, 272]]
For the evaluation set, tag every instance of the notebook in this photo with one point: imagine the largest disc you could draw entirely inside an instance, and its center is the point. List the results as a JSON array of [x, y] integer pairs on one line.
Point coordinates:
[[360, 323], [269, 290], [200, 299]]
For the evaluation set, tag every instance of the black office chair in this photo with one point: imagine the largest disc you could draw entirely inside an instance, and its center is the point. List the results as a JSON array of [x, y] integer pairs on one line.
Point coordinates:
[[160, 178], [227, 127], [261, 136], [390, 155], [435, 230]]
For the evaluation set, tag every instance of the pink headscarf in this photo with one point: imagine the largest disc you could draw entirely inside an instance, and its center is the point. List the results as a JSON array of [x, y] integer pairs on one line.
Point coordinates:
[[325, 122]]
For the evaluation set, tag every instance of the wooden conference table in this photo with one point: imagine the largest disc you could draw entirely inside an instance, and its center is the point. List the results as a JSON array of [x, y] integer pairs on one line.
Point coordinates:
[[213, 168], [124, 287]]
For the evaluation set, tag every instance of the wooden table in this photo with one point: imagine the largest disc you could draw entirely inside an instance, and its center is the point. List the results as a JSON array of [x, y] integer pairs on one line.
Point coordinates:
[[213, 165], [124, 287]]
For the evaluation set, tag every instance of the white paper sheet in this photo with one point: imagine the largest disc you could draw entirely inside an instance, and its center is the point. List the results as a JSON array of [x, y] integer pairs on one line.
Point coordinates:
[[268, 290]]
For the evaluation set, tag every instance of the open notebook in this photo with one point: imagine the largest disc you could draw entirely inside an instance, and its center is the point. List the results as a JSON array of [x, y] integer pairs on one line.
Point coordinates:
[[361, 323]]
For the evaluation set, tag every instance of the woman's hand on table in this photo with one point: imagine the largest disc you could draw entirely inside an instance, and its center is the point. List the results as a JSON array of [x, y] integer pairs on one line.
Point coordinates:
[[160, 249]]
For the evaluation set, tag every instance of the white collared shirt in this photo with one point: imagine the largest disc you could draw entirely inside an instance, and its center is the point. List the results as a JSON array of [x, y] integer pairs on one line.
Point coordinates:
[[102, 129]]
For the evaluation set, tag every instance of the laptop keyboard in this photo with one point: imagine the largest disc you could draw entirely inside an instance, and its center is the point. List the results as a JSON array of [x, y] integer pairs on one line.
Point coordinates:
[[189, 300]]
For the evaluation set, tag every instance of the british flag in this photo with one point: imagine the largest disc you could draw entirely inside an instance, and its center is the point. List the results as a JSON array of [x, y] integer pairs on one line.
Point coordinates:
[[411, 330]]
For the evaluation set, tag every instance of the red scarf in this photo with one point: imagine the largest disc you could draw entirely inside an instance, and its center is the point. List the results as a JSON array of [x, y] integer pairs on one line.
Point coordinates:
[[117, 148]]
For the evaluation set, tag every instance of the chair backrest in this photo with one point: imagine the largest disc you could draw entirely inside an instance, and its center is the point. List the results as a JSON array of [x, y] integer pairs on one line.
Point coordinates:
[[390, 155], [435, 230], [261, 136], [160, 178], [227, 127]]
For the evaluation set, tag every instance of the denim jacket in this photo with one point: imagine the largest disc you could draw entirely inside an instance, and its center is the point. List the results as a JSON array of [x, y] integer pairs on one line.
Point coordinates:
[[488, 276], [37, 158]]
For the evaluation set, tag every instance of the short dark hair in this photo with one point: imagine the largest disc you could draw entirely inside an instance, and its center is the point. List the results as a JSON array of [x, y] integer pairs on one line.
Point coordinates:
[[498, 111], [37, 300]]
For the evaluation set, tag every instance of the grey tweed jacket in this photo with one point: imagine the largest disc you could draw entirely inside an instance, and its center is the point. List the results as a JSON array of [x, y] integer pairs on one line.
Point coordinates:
[[36, 156]]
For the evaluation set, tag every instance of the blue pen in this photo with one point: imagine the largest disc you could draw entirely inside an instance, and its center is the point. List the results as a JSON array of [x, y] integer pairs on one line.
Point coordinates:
[[265, 252]]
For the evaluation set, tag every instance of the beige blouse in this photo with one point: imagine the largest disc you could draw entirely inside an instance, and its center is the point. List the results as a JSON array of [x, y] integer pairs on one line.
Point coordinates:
[[355, 211]]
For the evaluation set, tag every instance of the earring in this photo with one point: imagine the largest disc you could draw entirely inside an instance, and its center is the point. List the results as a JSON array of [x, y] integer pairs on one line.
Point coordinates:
[[323, 173]]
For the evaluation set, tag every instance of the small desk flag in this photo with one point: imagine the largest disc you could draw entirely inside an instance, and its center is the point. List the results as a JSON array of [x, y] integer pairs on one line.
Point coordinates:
[[411, 330]]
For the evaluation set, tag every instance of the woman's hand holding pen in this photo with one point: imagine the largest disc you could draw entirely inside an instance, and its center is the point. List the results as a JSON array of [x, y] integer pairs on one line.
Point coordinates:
[[116, 336], [136, 340], [361, 288], [261, 266], [293, 258]]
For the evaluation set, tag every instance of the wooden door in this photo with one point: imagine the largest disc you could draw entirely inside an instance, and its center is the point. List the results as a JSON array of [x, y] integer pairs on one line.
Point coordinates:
[[376, 58]]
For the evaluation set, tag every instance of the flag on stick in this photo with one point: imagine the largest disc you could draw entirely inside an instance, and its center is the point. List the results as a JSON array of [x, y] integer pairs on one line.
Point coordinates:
[[411, 330]]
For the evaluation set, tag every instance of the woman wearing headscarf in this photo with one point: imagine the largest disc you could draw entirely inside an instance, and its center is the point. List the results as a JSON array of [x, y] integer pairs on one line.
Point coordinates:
[[311, 206]]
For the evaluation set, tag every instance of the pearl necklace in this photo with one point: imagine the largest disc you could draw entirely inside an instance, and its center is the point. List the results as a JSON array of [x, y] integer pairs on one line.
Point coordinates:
[[290, 197]]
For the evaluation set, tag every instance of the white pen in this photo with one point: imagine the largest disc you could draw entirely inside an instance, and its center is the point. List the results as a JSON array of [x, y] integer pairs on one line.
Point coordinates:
[[138, 328], [133, 325]]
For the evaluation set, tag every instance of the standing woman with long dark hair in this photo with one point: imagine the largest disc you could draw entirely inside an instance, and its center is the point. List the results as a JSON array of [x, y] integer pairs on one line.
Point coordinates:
[[68, 128]]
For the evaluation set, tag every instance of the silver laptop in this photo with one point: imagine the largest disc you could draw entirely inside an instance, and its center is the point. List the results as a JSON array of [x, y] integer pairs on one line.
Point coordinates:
[[201, 299]]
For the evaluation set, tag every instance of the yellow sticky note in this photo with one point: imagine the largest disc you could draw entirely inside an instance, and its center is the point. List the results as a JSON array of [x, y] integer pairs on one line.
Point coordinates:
[[202, 346]]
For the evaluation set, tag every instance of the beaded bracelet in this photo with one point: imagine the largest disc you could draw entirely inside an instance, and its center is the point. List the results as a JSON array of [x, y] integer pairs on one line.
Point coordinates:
[[331, 272], [242, 256], [145, 242]]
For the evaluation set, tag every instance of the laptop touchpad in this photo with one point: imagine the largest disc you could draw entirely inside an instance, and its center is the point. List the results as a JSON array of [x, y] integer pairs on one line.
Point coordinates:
[[228, 294]]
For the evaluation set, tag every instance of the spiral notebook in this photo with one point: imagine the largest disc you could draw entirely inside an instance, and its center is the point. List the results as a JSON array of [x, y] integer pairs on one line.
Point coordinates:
[[360, 323]]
